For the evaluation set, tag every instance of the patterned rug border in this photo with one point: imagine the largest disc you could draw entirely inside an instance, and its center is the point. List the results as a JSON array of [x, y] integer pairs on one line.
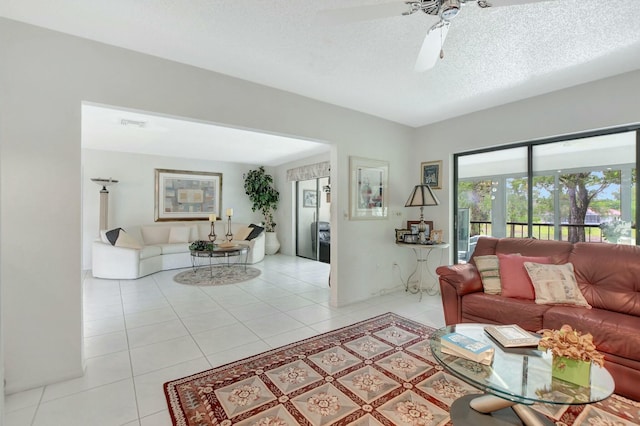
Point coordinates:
[[201, 277], [574, 415]]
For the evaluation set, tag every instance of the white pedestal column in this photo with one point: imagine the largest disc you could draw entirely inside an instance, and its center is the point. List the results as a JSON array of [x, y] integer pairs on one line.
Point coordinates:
[[104, 201], [104, 209]]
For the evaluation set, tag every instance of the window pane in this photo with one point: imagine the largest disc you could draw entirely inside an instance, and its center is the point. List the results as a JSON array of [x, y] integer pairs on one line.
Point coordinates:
[[505, 162], [582, 189], [475, 195], [492, 188], [517, 207]]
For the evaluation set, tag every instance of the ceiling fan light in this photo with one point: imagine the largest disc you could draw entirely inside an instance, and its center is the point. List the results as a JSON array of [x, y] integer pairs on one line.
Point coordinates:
[[449, 9]]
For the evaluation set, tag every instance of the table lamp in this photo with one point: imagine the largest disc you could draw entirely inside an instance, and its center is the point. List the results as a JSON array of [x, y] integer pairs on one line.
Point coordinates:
[[422, 196]]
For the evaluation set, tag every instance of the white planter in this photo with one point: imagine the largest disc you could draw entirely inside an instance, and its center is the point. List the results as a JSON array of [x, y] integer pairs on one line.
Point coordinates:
[[271, 243]]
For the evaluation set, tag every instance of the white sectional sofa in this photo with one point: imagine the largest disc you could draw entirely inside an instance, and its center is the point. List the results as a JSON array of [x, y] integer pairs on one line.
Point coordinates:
[[164, 246]]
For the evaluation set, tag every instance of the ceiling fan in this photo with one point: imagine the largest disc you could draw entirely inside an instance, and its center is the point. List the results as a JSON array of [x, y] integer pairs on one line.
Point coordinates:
[[445, 10]]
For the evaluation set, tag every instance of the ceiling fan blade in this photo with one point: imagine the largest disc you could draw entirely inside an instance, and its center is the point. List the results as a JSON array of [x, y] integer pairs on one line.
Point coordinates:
[[500, 3], [363, 13], [431, 47]]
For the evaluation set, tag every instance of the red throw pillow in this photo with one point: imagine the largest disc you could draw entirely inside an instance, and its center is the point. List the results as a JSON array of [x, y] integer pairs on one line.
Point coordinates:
[[514, 277]]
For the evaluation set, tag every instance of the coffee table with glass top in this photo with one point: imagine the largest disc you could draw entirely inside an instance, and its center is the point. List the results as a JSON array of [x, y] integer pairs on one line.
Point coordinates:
[[517, 378], [219, 252]]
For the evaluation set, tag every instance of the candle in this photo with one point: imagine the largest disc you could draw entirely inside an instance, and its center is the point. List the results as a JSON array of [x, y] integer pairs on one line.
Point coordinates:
[[212, 218], [229, 212]]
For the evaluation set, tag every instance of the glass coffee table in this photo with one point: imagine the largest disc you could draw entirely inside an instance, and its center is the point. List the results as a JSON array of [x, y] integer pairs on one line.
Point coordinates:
[[222, 254], [517, 378]]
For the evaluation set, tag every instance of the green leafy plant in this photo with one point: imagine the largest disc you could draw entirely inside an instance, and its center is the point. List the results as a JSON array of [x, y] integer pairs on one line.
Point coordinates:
[[201, 245], [258, 185]]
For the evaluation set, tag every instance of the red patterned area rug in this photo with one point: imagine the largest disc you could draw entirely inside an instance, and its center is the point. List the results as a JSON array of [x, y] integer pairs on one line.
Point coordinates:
[[375, 372]]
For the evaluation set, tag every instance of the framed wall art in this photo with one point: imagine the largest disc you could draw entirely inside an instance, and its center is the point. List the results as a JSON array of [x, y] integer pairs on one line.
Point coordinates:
[[309, 198], [187, 195], [431, 174], [368, 188]]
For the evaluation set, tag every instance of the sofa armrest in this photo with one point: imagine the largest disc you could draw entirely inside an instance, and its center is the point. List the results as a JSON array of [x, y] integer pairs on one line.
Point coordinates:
[[114, 262], [257, 251], [256, 248], [455, 282], [464, 278]]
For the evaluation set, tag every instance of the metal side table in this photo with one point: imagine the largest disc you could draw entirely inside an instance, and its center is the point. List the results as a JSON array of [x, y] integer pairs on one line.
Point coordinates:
[[423, 273]]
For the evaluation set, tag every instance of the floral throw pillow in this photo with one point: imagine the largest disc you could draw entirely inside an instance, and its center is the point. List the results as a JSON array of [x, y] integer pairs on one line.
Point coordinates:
[[555, 284]]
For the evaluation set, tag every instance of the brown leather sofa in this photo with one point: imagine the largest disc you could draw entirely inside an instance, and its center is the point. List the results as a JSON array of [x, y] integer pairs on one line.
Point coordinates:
[[608, 276]]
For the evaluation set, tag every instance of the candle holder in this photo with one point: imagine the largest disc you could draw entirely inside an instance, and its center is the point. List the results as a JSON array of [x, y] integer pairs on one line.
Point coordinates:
[[229, 235], [212, 234]]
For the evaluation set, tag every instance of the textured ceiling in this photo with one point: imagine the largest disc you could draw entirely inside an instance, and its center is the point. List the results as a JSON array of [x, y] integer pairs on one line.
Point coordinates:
[[492, 56]]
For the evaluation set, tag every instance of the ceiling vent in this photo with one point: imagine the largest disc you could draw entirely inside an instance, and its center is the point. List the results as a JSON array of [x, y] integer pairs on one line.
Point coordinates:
[[133, 123]]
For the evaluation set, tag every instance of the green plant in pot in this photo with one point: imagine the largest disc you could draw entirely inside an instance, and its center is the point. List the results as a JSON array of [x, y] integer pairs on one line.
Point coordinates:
[[258, 185]]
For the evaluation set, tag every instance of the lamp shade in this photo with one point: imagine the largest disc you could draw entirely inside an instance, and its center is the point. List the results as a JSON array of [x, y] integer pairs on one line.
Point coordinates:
[[422, 196]]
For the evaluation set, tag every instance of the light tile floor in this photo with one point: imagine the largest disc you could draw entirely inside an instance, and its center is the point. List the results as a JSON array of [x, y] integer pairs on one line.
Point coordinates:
[[142, 333]]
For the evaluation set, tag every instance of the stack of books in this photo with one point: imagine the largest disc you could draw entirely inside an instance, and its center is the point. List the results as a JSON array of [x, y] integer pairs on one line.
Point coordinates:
[[466, 347]]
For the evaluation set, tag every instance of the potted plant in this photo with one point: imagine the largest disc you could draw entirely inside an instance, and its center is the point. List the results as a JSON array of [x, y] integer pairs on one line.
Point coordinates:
[[258, 185], [573, 353]]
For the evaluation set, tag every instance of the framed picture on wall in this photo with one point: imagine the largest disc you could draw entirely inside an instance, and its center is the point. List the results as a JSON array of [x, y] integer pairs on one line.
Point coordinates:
[[309, 198], [187, 195], [431, 174], [368, 188]]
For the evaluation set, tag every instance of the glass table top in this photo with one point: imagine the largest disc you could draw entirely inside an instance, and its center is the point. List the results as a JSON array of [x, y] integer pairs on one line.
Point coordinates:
[[522, 375], [220, 251]]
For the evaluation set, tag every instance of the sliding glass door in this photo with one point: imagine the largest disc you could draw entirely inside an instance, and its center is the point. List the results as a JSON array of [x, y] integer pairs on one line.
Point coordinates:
[[313, 230], [576, 189]]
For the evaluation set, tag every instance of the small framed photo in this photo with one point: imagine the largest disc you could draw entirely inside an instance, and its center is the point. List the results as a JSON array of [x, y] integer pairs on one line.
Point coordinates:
[[436, 236], [431, 174], [410, 238], [400, 234], [413, 225]]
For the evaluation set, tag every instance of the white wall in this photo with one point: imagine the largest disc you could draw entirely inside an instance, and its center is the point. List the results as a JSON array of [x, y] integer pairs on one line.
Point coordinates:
[[131, 200], [602, 104], [1, 327], [44, 78]]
